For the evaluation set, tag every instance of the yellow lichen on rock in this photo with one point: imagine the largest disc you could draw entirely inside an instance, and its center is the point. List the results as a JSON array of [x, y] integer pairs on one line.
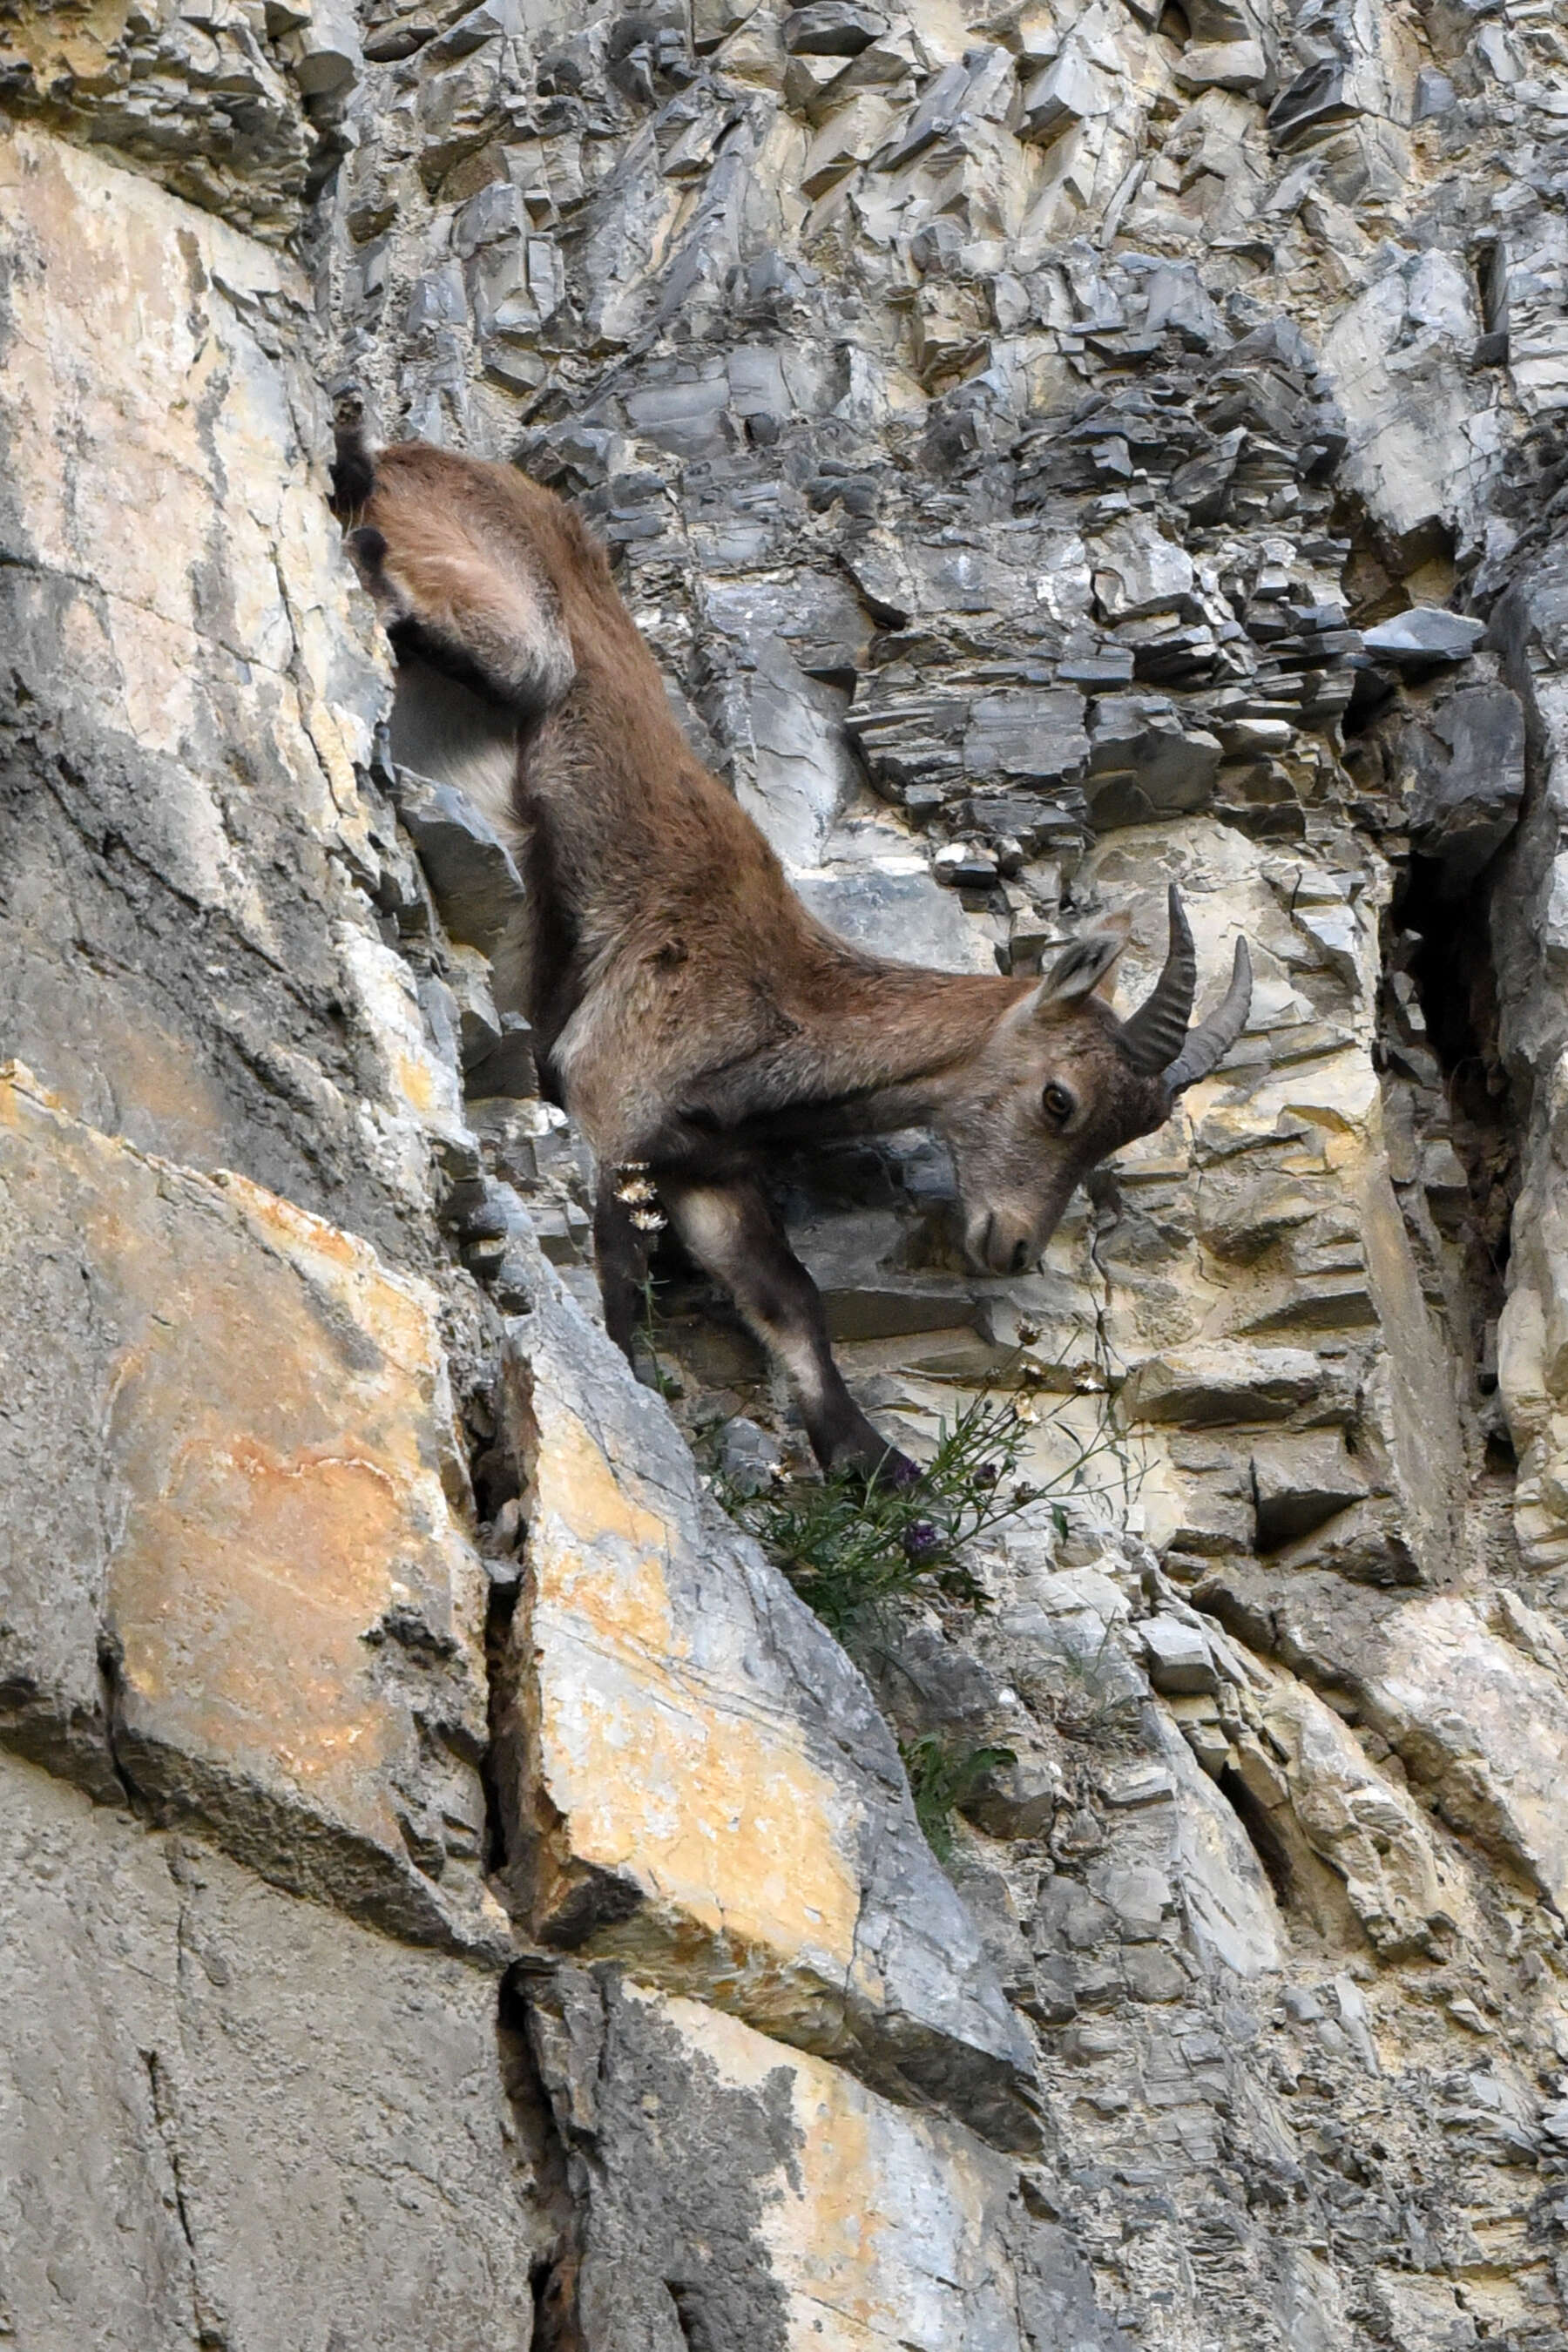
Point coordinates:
[[278, 1471]]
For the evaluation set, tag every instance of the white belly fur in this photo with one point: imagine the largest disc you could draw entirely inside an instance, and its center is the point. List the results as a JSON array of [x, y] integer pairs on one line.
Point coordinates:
[[441, 730]]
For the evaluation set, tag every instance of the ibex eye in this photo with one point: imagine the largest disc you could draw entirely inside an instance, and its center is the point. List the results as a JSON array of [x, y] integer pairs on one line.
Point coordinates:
[[1057, 1102]]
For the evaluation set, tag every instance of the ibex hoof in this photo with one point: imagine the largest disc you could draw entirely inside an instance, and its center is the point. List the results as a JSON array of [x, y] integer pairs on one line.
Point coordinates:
[[879, 1465]]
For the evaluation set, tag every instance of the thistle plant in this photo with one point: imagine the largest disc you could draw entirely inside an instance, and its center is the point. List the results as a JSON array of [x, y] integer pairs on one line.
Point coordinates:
[[852, 1545]]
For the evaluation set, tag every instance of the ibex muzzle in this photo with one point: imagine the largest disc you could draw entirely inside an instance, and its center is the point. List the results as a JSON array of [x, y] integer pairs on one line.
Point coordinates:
[[1061, 1082]]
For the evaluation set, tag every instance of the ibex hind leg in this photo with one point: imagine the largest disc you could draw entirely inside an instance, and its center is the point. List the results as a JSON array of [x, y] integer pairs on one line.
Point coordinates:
[[734, 1232], [450, 610], [471, 602]]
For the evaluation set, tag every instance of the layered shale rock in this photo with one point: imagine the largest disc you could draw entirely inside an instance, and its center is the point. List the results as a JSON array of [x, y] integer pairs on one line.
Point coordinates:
[[457, 1890]]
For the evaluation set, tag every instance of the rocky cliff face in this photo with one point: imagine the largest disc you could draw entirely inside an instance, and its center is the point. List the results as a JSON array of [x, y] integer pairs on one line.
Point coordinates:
[[455, 1891]]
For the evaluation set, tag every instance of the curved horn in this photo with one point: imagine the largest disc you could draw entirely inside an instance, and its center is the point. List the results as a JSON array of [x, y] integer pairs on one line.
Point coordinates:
[[1211, 1040], [1155, 1033]]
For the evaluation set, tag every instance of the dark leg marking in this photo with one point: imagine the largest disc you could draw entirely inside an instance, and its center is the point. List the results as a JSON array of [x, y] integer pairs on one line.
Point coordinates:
[[416, 640], [734, 1232], [352, 468]]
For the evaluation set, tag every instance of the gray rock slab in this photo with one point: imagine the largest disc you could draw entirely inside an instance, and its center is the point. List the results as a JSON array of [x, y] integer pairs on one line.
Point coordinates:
[[749, 1458], [1033, 735], [185, 939], [854, 1259], [1137, 570], [1206, 1387], [791, 767], [1145, 763], [906, 915], [230, 2116], [472, 875], [1467, 779], [1228, 1906], [508, 1068], [734, 2193], [1300, 1482], [831, 28], [1483, 1726], [1177, 1656], [1318, 96], [1423, 637], [694, 1779], [235, 1562]]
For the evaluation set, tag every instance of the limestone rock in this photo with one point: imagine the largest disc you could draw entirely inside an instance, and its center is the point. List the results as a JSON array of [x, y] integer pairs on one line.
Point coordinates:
[[256, 1601], [1178, 1656], [1298, 1482], [1482, 1727], [1225, 1895], [196, 97], [1423, 637], [1371, 1834], [230, 2112], [224, 984], [1203, 1387], [470, 870], [697, 1781], [795, 2201], [1468, 780]]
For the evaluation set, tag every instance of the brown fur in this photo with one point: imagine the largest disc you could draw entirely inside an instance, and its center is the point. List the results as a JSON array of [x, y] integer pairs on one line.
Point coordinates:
[[688, 1008]]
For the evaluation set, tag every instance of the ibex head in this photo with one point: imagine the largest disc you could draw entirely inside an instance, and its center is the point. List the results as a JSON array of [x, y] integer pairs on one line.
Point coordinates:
[[1061, 1082]]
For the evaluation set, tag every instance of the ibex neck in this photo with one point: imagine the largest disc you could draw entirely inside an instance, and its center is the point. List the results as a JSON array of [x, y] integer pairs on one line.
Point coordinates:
[[892, 1038]]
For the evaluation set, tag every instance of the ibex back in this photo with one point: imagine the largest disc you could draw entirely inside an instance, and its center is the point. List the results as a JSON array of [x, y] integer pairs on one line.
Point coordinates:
[[689, 1013]]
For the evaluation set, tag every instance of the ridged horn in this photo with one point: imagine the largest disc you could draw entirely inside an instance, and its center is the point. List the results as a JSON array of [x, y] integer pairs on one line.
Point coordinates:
[[1155, 1033], [1211, 1040]]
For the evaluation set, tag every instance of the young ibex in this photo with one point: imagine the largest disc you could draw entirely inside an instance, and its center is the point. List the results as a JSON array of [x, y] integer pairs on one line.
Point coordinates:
[[690, 1014]]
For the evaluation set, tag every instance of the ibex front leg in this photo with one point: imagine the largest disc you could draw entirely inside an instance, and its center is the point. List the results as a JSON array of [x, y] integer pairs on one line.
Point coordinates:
[[620, 1251], [734, 1232]]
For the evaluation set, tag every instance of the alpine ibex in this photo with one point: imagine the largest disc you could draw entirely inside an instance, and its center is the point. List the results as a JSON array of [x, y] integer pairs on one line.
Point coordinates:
[[688, 1013]]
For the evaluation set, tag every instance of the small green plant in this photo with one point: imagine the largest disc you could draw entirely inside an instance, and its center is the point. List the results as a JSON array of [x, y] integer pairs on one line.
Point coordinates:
[[941, 1776], [850, 1545], [652, 1371]]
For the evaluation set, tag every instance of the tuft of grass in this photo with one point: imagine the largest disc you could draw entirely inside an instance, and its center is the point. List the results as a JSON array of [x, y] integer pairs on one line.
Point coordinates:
[[655, 1375], [850, 1545], [1088, 1705], [942, 1775]]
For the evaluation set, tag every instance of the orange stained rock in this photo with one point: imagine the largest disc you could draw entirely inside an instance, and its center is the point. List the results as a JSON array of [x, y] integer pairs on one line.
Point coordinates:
[[240, 1592], [664, 1764], [882, 2230], [277, 1457], [597, 1551]]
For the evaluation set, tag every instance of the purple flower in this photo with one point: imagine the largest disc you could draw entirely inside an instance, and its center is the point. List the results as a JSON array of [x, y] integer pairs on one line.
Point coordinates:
[[986, 1474], [920, 1539]]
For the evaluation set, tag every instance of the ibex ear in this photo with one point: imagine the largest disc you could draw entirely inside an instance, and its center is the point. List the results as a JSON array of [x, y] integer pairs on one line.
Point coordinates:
[[1085, 965]]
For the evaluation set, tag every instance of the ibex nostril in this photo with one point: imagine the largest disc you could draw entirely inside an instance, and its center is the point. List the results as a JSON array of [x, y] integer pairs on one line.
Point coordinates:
[[1020, 1257]]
